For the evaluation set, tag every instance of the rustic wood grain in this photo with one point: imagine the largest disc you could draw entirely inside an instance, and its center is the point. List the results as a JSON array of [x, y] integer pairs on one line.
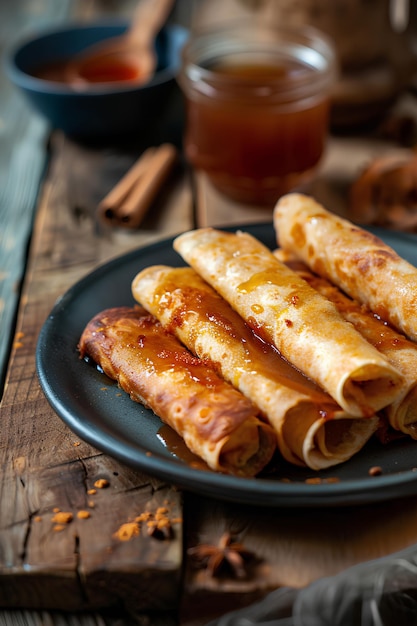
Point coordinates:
[[48, 576], [44, 466], [22, 159], [290, 548]]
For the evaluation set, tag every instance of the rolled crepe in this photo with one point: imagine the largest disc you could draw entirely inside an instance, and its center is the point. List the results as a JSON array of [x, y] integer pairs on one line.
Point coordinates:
[[312, 430], [215, 420], [283, 309], [400, 351], [355, 260]]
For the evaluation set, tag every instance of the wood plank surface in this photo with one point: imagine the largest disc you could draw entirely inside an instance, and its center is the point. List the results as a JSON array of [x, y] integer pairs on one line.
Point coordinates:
[[22, 159], [83, 565], [44, 466], [50, 571]]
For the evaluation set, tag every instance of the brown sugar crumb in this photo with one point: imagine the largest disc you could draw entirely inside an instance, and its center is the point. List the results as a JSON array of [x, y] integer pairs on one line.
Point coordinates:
[[55, 510], [58, 528], [91, 492], [127, 531], [143, 517], [159, 528], [76, 444], [158, 525], [62, 517], [83, 514], [102, 483], [91, 504], [18, 337], [313, 481], [376, 470], [38, 518], [161, 512]]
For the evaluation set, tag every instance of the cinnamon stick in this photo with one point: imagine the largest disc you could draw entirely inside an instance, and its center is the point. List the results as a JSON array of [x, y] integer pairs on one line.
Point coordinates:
[[127, 203]]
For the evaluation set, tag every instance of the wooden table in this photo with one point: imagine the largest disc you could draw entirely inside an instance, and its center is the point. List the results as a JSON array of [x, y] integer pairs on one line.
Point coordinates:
[[77, 573]]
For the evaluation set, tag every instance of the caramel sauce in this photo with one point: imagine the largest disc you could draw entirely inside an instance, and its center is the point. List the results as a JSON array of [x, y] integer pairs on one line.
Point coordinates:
[[259, 356], [375, 330], [161, 349], [260, 73], [143, 335], [272, 277], [97, 71], [134, 349], [108, 71], [255, 149], [55, 72], [177, 447]]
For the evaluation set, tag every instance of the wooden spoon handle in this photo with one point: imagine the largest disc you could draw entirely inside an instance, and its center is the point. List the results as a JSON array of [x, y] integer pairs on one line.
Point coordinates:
[[148, 19]]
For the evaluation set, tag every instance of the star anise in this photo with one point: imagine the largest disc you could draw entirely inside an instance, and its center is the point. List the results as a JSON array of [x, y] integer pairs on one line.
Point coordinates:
[[226, 555]]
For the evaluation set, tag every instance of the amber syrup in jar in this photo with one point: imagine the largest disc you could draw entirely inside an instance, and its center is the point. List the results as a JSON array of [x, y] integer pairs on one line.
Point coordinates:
[[257, 108]]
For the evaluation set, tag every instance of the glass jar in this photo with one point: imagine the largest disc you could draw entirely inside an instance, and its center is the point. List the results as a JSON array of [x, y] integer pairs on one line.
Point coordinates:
[[257, 107]]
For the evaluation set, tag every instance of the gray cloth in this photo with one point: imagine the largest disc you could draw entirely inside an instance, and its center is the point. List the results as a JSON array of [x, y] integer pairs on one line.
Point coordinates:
[[382, 592]]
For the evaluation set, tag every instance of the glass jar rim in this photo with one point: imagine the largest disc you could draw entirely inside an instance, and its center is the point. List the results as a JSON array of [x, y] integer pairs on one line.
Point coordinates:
[[312, 49]]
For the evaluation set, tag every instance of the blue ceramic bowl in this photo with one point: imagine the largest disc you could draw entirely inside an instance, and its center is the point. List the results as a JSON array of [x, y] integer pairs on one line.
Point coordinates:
[[104, 109]]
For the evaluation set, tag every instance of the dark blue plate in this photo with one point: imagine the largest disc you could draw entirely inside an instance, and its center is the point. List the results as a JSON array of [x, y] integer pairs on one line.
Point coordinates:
[[98, 412]]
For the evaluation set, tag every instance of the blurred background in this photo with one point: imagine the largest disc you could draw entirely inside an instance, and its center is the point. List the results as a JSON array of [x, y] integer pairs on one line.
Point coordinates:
[[376, 43]]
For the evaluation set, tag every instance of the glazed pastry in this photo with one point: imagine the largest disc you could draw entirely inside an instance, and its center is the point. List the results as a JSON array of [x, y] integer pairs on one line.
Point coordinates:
[[312, 430], [286, 311], [358, 262], [215, 420], [400, 351]]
